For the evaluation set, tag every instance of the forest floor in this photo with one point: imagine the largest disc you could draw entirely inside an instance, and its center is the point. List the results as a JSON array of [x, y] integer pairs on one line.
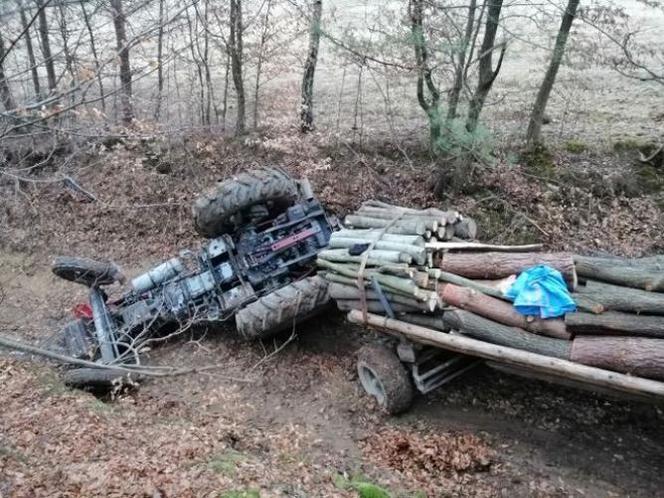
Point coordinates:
[[296, 423]]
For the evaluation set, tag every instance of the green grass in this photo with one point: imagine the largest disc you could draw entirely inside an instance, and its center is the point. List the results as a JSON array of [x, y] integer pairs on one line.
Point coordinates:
[[246, 493], [575, 146], [226, 463], [364, 488]]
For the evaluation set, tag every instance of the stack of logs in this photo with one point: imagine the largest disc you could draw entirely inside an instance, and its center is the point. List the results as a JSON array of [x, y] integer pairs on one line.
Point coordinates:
[[414, 265]]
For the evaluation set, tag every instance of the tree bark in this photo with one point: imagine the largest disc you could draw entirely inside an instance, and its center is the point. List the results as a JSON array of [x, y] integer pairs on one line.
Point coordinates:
[[495, 265], [639, 356], [615, 323], [534, 133], [349, 293], [515, 357], [307, 104], [31, 52], [160, 62], [472, 325], [119, 23], [95, 55], [501, 311], [459, 69], [5, 91], [259, 62], [235, 48], [487, 74], [46, 47], [600, 297], [630, 275], [425, 83]]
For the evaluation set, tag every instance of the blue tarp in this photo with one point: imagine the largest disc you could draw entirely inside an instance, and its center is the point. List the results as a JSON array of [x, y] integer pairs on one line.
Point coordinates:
[[541, 291]]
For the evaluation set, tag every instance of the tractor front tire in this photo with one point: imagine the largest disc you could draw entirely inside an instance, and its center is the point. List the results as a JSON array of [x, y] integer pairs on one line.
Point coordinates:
[[384, 377], [214, 212], [282, 308]]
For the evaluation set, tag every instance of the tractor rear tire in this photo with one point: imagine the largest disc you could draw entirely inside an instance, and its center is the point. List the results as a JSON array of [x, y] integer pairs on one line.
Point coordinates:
[[282, 308], [214, 211], [384, 377]]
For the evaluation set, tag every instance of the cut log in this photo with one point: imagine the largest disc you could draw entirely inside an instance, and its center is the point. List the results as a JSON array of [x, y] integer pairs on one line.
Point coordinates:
[[510, 356], [352, 282], [417, 253], [404, 226], [467, 323], [348, 293], [373, 306], [632, 355], [466, 229], [607, 297], [607, 270], [451, 278], [615, 323], [477, 246], [373, 234], [435, 322], [501, 312], [376, 257], [495, 265]]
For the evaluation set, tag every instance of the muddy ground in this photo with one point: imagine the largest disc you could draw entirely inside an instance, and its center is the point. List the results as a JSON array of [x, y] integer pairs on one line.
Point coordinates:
[[296, 423]]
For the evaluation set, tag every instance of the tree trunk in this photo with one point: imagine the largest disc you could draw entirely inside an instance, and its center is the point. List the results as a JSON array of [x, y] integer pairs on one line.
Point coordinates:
[[615, 323], [495, 265], [5, 91], [259, 63], [235, 47], [224, 101], [501, 311], [607, 297], [533, 135], [610, 270], [486, 330], [119, 23], [459, 69], [487, 74], [424, 75], [46, 47], [349, 293], [639, 356], [95, 55], [160, 62], [307, 104], [69, 59], [31, 52]]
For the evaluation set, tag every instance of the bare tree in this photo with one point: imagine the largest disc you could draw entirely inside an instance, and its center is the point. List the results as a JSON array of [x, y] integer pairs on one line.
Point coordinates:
[[119, 23], [5, 92], [487, 74], [460, 65], [307, 105], [160, 61], [46, 47], [236, 56], [95, 56], [265, 34], [533, 135], [30, 51]]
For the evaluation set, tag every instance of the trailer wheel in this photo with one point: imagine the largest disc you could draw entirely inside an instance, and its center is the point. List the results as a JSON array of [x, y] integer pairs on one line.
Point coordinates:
[[216, 211], [282, 308], [98, 379], [384, 377], [86, 271]]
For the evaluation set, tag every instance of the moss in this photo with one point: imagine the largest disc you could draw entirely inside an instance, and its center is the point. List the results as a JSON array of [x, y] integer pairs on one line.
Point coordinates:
[[248, 493], [575, 146], [650, 179], [368, 490], [226, 463], [628, 144], [539, 161]]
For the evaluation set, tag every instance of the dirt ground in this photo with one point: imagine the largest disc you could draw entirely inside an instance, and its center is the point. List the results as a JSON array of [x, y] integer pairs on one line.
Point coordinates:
[[296, 423]]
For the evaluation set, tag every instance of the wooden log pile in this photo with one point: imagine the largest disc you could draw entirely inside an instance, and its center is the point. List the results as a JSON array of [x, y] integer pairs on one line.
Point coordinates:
[[422, 267]]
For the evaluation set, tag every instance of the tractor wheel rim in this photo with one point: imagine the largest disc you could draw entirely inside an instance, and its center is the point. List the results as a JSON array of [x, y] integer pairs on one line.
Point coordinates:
[[372, 384]]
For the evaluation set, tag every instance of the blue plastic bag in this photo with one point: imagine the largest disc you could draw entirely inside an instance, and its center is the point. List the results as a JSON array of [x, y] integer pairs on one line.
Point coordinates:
[[541, 291]]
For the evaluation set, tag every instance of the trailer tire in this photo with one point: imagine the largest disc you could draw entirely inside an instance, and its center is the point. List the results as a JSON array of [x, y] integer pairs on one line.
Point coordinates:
[[98, 378], [384, 377], [282, 308], [214, 211]]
